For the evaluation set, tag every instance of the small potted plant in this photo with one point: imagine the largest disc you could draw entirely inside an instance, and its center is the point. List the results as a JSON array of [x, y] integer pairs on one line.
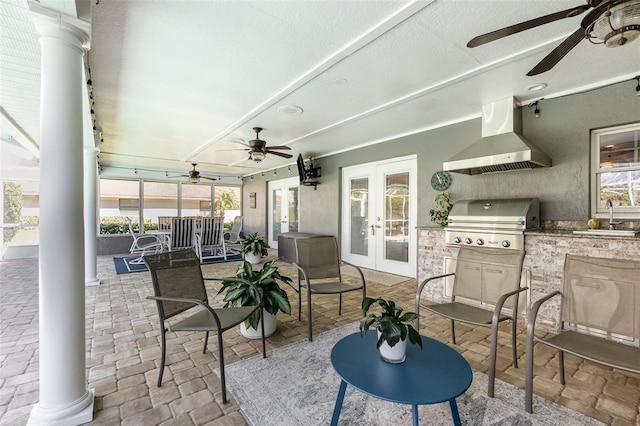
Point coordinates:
[[253, 247], [275, 298], [393, 327], [443, 206]]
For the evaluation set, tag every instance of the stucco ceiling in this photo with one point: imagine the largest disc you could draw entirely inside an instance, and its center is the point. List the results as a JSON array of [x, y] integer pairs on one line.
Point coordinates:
[[176, 82]]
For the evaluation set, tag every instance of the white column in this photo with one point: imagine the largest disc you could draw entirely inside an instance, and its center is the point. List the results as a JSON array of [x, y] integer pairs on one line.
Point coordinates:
[[64, 397], [90, 217]]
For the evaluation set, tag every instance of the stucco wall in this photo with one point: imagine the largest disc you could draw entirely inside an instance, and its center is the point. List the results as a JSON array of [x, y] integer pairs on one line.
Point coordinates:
[[562, 131]]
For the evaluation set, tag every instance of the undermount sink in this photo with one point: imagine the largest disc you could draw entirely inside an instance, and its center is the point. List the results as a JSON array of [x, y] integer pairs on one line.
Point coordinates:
[[608, 232]]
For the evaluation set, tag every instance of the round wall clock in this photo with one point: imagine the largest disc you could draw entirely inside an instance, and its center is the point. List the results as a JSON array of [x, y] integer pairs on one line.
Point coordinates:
[[440, 180]]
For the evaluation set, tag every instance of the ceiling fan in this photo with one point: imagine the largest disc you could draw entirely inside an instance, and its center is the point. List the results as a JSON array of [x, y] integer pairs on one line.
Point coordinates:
[[611, 22], [194, 175], [258, 148]]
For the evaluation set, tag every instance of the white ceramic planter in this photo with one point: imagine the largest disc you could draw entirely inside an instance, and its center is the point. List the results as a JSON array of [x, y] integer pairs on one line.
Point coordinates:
[[253, 259], [393, 354], [270, 325]]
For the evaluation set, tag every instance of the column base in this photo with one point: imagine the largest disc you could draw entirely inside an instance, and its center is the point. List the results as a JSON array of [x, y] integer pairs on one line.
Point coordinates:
[[91, 282], [80, 412]]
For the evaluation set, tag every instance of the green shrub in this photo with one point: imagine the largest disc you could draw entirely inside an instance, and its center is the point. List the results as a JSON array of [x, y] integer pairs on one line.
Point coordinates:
[[12, 207]]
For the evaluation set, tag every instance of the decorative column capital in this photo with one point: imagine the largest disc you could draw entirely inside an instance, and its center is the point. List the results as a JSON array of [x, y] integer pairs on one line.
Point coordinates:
[[52, 24]]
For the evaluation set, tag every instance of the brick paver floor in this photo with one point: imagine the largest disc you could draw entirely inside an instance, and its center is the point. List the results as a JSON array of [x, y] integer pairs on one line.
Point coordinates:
[[123, 354]]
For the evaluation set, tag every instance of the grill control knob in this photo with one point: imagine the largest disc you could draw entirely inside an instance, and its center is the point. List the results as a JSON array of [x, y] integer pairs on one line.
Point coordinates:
[[506, 243], [468, 240], [457, 240], [480, 241]]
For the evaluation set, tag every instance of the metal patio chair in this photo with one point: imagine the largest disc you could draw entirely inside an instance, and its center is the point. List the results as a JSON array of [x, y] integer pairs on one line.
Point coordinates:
[[182, 303], [318, 260], [232, 236], [142, 244], [485, 292], [211, 238], [183, 233]]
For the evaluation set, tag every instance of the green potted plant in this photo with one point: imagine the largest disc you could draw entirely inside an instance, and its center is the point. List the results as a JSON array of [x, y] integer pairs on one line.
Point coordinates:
[[394, 328], [443, 206], [253, 247], [275, 298]]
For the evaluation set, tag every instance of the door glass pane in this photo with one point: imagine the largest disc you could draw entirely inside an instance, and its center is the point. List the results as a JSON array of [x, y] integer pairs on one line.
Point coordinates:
[[293, 209], [359, 209], [396, 224], [276, 214]]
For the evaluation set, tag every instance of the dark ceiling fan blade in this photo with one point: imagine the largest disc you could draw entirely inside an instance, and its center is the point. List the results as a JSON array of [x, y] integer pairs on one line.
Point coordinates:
[[558, 53], [208, 177], [279, 154], [513, 29], [279, 147]]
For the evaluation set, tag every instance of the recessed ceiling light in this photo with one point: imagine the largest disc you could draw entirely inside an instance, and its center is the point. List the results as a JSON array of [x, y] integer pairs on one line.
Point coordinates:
[[290, 109], [536, 87]]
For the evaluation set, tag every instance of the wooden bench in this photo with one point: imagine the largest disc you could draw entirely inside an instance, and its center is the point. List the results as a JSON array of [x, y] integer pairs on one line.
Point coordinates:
[[599, 309]]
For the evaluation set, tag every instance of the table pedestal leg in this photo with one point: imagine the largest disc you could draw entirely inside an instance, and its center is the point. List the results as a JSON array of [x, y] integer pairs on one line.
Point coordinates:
[[454, 412], [338, 406], [415, 415]]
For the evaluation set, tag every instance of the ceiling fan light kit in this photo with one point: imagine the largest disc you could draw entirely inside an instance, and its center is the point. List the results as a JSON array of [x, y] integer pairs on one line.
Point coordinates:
[[619, 25], [613, 23]]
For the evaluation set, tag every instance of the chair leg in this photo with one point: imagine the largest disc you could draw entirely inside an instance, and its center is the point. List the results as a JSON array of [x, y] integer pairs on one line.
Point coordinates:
[[528, 398], [264, 344], [492, 359], [299, 301], [163, 355], [453, 332], [561, 362], [309, 319], [206, 340], [223, 383], [340, 305], [513, 342]]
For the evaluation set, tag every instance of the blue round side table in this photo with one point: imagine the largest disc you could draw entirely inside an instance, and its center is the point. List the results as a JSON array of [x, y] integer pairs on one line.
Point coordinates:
[[436, 374]]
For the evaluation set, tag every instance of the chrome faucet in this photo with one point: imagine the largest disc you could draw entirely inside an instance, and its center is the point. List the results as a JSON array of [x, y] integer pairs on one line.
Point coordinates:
[[609, 206]]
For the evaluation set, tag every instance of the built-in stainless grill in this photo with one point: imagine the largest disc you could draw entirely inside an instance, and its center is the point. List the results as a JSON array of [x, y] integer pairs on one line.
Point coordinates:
[[492, 223]]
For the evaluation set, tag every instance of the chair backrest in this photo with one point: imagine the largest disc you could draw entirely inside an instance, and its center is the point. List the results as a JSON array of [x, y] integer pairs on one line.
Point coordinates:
[[182, 232], [164, 223], [234, 234], [319, 257], [176, 274], [602, 293], [211, 231], [131, 231], [485, 274]]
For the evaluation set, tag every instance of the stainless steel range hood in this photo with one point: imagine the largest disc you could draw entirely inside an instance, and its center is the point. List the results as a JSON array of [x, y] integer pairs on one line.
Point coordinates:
[[501, 148]]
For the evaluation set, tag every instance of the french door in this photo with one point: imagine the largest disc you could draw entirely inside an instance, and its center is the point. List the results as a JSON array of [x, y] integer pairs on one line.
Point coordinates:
[[379, 213], [283, 208]]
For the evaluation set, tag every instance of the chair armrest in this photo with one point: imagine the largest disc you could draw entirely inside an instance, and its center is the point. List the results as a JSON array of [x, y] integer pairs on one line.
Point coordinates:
[[195, 302], [357, 268], [500, 304], [304, 274], [424, 283], [533, 313]]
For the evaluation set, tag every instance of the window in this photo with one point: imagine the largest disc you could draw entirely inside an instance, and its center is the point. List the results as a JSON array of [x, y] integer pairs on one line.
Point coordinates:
[[196, 199], [160, 199], [615, 171], [117, 198]]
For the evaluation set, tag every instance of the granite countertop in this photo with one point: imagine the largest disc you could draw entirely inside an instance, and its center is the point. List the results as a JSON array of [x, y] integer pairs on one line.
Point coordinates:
[[569, 233]]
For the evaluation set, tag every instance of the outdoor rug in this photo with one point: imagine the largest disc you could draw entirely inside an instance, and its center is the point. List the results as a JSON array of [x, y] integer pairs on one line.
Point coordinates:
[[124, 267], [296, 385]]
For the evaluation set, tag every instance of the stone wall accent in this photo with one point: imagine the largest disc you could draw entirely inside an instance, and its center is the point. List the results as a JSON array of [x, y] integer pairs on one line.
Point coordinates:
[[545, 259]]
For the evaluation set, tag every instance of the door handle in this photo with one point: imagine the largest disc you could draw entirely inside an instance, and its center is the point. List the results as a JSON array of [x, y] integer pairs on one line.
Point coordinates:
[[373, 230]]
